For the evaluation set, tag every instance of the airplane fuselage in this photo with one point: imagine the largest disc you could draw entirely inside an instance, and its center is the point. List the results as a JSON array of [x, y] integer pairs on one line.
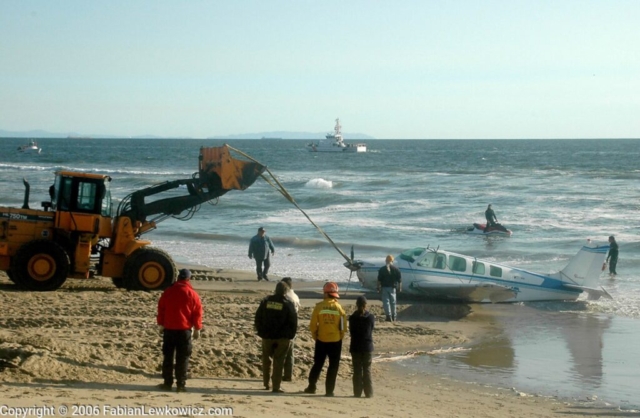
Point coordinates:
[[446, 275]]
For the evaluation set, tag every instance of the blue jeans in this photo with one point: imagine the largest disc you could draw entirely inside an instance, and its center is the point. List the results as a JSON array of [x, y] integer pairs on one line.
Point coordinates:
[[262, 272], [388, 295]]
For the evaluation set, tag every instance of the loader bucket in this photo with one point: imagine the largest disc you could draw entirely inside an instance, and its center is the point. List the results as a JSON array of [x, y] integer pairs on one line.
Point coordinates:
[[219, 170]]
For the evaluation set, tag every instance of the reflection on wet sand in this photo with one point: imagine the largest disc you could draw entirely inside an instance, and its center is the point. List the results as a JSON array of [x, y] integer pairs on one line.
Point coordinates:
[[584, 339], [495, 352], [548, 351]]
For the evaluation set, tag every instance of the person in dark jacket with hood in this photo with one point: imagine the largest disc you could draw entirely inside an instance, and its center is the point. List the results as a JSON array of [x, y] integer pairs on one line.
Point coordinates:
[[361, 324], [276, 322]]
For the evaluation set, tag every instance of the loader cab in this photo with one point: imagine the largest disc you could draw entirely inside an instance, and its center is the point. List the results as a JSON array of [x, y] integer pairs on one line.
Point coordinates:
[[81, 192]]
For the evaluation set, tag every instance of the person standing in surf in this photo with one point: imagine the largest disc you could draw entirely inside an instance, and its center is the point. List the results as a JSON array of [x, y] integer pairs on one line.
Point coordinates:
[[612, 257], [259, 248]]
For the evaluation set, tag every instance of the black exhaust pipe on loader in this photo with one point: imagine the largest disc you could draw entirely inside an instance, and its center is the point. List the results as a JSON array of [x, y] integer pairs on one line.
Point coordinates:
[[25, 205]]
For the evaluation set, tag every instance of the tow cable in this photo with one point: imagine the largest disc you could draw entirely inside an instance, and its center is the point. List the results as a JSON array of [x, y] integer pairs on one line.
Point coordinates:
[[275, 183]]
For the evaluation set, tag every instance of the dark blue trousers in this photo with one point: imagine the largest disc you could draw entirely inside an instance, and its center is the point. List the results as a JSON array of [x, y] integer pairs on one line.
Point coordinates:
[[176, 344], [322, 351]]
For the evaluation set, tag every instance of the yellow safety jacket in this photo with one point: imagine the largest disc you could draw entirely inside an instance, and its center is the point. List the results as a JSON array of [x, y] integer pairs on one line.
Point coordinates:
[[328, 321]]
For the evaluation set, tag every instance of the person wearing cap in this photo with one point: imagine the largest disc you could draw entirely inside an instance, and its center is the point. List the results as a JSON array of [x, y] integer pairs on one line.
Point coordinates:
[[361, 324], [259, 248], [179, 310], [612, 257], [276, 322], [289, 361], [328, 326], [389, 280]]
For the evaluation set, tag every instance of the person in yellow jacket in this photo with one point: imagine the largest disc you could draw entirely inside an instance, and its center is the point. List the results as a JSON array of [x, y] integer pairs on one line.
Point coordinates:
[[328, 326]]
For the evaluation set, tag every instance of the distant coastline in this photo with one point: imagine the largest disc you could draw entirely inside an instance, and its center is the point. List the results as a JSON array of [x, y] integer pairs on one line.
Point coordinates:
[[256, 135]]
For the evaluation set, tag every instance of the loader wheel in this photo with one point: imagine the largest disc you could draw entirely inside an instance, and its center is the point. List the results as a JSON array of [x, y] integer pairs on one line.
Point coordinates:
[[10, 276], [40, 265], [148, 269], [118, 282]]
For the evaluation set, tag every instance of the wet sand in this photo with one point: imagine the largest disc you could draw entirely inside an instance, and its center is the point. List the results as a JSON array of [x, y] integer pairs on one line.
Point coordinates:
[[92, 345]]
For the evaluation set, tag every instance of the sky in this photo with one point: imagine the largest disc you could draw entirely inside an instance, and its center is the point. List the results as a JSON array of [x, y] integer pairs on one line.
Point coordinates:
[[397, 69]]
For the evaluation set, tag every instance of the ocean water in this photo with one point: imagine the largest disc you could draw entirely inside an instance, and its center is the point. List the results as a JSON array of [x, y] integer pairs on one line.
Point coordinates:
[[553, 195]]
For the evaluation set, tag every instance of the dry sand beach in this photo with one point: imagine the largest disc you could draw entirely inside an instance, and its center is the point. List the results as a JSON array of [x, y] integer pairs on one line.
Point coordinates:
[[90, 349]]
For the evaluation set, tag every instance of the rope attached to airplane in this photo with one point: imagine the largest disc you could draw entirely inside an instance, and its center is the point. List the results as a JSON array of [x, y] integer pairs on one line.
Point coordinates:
[[350, 264]]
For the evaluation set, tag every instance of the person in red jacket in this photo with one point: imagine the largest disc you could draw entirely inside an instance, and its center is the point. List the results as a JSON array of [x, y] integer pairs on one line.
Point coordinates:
[[179, 310]]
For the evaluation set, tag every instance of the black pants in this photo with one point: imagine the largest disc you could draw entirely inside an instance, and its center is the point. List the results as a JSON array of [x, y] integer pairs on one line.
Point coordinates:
[[262, 272], [176, 343], [322, 351], [612, 265], [362, 374]]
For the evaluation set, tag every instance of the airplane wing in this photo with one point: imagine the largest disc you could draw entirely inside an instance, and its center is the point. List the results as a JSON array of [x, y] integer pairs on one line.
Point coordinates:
[[469, 292]]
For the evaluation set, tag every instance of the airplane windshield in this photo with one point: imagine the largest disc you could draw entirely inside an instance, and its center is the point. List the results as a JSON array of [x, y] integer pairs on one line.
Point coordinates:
[[410, 255]]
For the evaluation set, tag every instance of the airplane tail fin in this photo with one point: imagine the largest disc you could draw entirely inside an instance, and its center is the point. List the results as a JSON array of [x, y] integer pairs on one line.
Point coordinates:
[[584, 269]]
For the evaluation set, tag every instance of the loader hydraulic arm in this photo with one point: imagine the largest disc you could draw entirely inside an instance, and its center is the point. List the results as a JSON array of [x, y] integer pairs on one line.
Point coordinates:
[[135, 207], [218, 173]]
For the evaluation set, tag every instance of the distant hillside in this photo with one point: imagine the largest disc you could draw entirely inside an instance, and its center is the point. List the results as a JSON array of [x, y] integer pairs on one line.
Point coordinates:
[[291, 135], [267, 135], [30, 134]]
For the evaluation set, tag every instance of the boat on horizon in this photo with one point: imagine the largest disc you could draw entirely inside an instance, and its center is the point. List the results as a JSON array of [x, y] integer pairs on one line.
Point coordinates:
[[335, 143], [31, 148]]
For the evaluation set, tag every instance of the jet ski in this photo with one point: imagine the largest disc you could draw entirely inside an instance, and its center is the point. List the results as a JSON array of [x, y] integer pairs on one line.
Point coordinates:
[[497, 229]]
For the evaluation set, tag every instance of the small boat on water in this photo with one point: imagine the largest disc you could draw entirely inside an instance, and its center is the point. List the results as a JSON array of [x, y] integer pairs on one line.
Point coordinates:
[[32, 147], [335, 143], [482, 229]]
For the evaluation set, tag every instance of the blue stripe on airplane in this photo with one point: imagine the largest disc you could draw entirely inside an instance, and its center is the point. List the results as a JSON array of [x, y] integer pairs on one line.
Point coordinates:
[[549, 283]]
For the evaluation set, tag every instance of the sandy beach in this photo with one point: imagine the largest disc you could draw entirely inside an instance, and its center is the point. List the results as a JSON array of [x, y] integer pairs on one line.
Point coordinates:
[[90, 349]]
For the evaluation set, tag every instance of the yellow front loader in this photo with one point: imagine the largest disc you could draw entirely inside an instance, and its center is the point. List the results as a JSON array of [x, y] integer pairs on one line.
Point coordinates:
[[40, 249]]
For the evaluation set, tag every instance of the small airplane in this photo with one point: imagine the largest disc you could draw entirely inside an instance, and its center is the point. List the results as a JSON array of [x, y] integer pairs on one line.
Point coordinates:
[[438, 274]]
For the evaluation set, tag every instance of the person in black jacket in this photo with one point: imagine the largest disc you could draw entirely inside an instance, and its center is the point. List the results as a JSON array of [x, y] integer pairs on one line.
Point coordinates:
[[361, 324], [490, 216], [612, 258], [276, 322], [389, 280]]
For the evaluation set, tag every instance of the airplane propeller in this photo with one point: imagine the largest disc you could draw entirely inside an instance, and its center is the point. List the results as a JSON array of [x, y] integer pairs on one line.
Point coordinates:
[[352, 265]]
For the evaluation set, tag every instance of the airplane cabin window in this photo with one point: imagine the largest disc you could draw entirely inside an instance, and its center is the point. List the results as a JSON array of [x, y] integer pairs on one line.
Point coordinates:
[[478, 267], [440, 261], [457, 263], [495, 271]]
